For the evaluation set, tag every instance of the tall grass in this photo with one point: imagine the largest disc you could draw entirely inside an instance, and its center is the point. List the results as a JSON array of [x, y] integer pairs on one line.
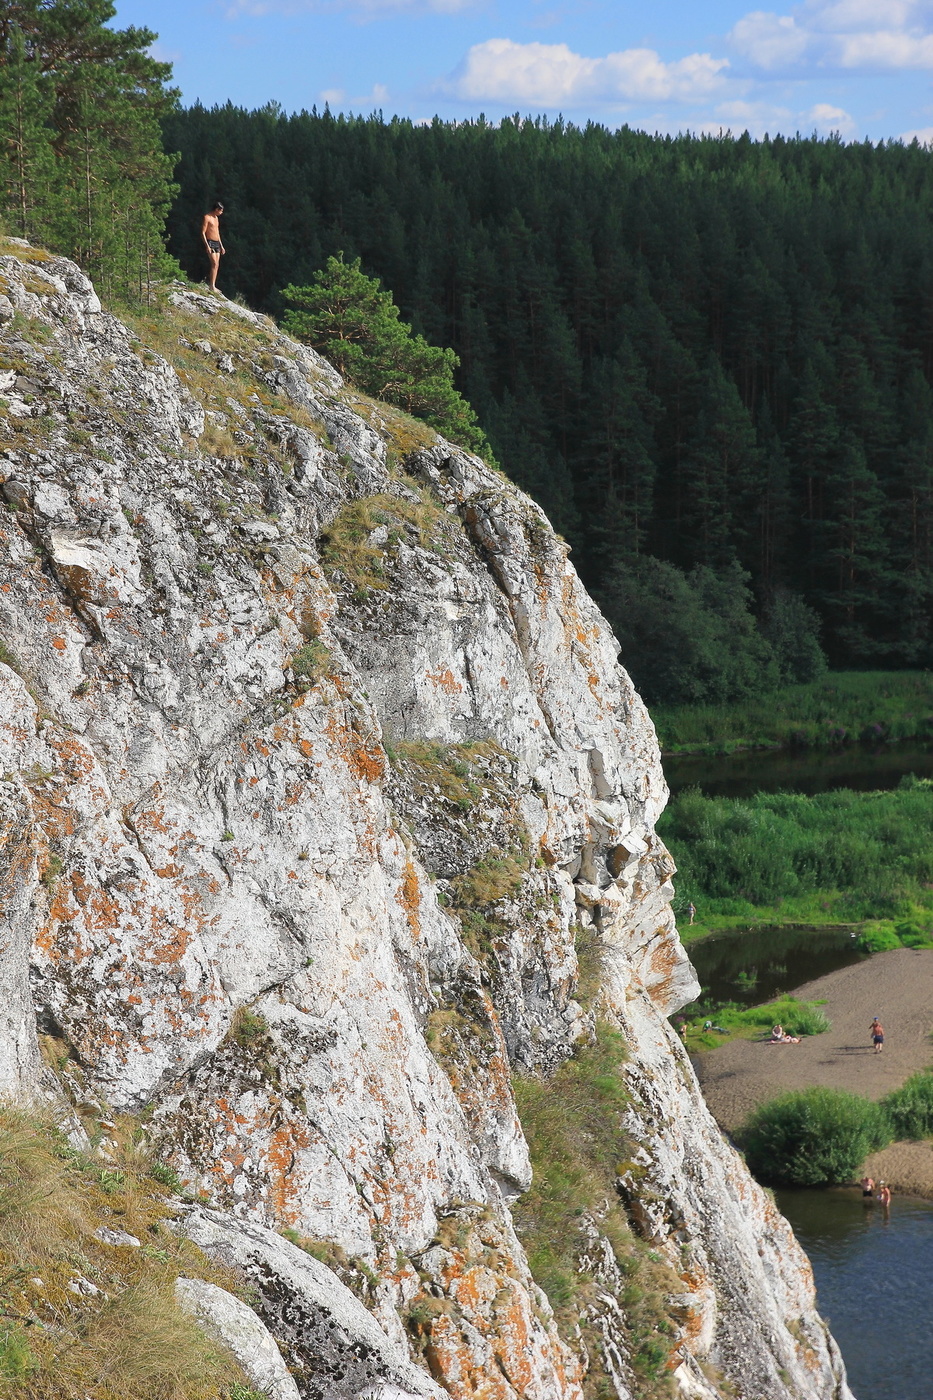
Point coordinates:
[[573, 1124], [843, 707], [128, 1340], [840, 856]]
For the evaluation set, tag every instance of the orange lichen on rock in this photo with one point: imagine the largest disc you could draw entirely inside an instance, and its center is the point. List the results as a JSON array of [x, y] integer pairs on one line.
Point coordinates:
[[445, 680], [362, 754], [408, 895], [288, 1140]]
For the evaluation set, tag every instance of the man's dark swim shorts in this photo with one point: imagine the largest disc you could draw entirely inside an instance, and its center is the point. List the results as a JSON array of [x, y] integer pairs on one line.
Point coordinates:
[[213, 244]]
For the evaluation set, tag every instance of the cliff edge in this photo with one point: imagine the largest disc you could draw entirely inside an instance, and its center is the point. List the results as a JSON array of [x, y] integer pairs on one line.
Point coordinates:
[[326, 825]]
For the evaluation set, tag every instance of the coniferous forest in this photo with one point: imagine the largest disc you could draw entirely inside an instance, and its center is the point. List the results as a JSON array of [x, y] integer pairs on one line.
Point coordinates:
[[709, 359]]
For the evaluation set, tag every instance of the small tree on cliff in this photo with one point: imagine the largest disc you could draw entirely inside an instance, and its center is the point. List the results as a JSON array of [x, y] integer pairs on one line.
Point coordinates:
[[348, 318]]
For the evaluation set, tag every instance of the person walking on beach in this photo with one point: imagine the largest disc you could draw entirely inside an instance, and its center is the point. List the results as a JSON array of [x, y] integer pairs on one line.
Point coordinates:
[[877, 1035], [213, 243]]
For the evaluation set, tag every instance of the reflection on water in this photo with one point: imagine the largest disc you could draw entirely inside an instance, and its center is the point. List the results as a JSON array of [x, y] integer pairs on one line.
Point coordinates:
[[810, 770], [750, 966], [874, 1280]]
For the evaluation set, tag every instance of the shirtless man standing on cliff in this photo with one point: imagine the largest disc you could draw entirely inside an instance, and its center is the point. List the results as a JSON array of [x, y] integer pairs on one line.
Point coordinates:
[[213, 244]]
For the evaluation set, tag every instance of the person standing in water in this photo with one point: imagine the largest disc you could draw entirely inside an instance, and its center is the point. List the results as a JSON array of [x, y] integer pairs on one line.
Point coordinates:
[[884, 1194], [877, 1035], [213, 243], [868, 1188]]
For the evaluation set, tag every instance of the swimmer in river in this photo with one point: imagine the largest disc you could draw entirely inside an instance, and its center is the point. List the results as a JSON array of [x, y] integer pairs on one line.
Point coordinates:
[[868, 1189]]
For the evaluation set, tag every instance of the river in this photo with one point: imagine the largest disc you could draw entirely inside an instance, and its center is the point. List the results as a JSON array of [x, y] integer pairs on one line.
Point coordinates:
[[873, 1269], [750, 966], [874, 1281], [797, 770]]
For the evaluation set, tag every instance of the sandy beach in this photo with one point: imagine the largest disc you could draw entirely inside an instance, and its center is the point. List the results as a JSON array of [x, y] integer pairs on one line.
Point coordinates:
[[897, 987]]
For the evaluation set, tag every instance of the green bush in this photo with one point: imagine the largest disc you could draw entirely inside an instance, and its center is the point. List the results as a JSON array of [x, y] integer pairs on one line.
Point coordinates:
[[910, 1108], [813, 1137], [878, 939], [310, 663], [914, 935]]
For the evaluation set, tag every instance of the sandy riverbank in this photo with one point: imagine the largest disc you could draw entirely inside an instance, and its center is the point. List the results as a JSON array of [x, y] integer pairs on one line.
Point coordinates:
[[898, 987]]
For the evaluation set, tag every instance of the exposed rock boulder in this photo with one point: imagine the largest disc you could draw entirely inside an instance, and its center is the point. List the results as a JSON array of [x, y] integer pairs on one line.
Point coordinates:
[[335, 1348], [236, 1326]]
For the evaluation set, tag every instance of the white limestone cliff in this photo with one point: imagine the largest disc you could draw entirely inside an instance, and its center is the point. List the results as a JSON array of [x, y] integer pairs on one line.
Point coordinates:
[[227, 878]]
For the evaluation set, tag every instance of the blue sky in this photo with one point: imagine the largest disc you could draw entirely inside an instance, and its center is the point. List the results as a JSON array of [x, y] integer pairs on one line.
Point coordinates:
[[863, 68]]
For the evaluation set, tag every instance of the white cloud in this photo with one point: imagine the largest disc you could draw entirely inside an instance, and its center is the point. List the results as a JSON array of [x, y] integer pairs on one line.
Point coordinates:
[[923, 134], [849, 34], [337, 97], [769, 41], [754, 117], [552, 75], [826, 118], [885, 49], [760, 118]]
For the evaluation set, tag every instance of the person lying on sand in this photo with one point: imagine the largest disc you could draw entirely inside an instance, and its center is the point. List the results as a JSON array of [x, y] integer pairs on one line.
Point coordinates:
[[780, 1037]]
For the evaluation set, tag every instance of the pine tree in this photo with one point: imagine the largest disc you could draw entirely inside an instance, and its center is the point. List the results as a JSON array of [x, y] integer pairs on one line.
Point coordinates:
[[80, 111], [26, 132], [347, 316]]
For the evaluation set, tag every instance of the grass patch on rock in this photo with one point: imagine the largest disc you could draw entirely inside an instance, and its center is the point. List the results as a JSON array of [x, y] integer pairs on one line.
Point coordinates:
[[572, 1121], [359, 538], [444, 768], [81, 1319]]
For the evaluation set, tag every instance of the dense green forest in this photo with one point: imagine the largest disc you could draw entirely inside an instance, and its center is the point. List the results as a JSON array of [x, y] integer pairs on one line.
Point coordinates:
[[82, 169], [709, 359]]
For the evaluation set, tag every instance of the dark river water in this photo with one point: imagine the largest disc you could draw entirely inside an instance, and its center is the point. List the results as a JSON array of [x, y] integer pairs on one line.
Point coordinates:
[[750, 966], [874, 1281], [808, 770]]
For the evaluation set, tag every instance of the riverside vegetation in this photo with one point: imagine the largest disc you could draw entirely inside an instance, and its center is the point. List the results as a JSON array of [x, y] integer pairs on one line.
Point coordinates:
[[843, 857], [839, 708], [818, 1136]]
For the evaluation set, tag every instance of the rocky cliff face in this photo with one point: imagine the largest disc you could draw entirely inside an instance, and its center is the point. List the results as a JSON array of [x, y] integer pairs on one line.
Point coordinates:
[[317, 769]]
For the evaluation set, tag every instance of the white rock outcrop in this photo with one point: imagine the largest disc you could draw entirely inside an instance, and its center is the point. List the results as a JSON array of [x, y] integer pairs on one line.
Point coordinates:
[[235, 1325], [243, 612]]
